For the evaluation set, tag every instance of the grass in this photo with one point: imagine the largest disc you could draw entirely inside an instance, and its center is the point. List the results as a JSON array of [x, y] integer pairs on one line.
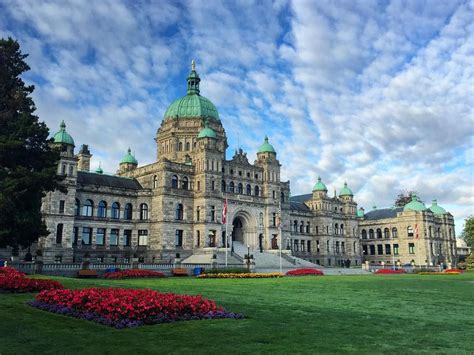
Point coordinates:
[[331, 314]]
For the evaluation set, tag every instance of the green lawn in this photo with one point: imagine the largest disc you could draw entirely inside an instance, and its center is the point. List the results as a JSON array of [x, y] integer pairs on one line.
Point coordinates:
[[330, 314]]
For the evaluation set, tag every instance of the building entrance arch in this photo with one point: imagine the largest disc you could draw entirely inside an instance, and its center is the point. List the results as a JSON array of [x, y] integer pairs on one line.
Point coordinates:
[[244, 228]]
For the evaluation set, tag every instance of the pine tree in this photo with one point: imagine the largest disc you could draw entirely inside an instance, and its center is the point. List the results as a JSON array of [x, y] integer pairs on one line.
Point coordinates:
[[27, 161]]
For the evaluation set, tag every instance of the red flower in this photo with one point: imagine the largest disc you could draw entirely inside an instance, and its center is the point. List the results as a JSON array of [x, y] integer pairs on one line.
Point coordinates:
[[389, 271], [12, 280], [304, 272], [132, 273]]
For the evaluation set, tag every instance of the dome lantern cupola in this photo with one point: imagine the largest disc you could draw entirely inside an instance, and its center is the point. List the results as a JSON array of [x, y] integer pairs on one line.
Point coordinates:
[[193, 80], [437, 209], [266, 147], [319, 186], [414, 205], [345, 191], [62, 137], [129, 158]]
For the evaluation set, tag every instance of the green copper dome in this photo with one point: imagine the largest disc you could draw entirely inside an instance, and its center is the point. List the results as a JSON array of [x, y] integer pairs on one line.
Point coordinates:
[[207, 132], [62, 136], [414, 205], [99, 170], [319, 186], [436, 209], [129, 158], [360, 212], [266, 147], [193, 104], [345, 191]]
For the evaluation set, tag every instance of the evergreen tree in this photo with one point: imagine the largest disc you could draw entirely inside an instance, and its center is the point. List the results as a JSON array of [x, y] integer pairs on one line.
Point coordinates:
[[27, 161], [468, 231], [404, 197]]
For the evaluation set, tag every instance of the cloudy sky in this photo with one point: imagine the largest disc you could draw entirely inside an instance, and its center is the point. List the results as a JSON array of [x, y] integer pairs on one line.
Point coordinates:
[[375, 93]]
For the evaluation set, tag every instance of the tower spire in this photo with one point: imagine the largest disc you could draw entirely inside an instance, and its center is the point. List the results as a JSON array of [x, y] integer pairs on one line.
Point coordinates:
[[193, 80]]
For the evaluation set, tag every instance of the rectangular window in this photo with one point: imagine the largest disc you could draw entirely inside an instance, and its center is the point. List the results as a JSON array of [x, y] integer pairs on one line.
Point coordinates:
[[309, 246], [198, 213], [274, 219], [302, 245], [75, 235], [372, 249], [179, 238], [86, 236], [317, 247], [343, 247], [395, 249], [213, 185], [337, 247], [388, 250], [114, 236], [100, 236], [61, 206], [142, 237], [411, 248], [213, 213], [364, 249], [380, 249], [127, 237], [59, 233]]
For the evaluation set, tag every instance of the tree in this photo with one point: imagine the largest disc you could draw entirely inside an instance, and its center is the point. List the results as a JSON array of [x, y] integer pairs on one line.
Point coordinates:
[[468, 231], [28, 163], [404, 197]]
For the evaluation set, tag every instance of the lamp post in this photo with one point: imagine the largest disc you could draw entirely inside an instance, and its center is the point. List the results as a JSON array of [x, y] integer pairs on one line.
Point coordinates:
[[248, 257]]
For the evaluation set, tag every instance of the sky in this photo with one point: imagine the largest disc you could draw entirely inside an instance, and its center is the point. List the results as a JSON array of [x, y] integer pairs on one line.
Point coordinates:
[[375, 93]]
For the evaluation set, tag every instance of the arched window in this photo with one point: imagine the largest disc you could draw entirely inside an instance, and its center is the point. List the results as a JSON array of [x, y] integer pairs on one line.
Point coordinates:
[[308, 228], [180, 146], [88, 208], [249, 189], [155, 182], [394, 232], [371, 234], [59, 233], [341, 229], [301, 227], [143, 211], [336, 229], [430, 231], [174, 182], [257, 190], [188, 146], [379, 233], [231, 187], [127, 214], [115, 210], [439, 232], [102, 209], [282, 196], [364, 234], [295, 226], [386, 233], [410, 231], [77, 208], [198, 238], [240, 189], [185, 183], [223, 186], [179, 212]]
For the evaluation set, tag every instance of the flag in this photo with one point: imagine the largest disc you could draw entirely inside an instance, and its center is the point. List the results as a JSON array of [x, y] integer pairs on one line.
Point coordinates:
[[224, 212], [416, 231]]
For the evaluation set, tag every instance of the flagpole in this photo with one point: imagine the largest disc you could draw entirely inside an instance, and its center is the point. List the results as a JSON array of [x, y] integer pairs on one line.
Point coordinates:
[[281, 238], [226, 235]]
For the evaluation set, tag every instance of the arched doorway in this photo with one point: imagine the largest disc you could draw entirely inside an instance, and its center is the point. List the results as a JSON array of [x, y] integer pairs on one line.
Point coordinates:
[[237, 230]]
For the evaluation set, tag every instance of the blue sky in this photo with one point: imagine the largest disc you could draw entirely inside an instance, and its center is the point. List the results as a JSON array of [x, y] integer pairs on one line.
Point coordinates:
[[375, 93]]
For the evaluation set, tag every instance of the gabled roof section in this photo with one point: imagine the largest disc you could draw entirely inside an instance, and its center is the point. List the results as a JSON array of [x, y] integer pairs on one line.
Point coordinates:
[[382, 213], [299, 206], [301, 198], [88, 178]]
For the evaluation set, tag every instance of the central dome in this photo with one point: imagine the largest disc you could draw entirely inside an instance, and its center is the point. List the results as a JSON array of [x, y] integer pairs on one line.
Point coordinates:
[[193, 104]]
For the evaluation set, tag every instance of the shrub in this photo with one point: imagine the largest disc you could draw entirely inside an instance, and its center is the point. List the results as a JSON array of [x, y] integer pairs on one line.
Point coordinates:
[[389, 271], [14, 281], [132, 273], [122, 308], [253, 275], [305, 272], [227, 271]]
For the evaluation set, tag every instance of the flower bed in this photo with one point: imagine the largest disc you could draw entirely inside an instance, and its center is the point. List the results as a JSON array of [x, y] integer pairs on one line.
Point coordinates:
[[133, 273], [453, 271], [250, 275], [389, 271], [305, 272], [438, 273], [13, 281], [125, 308]]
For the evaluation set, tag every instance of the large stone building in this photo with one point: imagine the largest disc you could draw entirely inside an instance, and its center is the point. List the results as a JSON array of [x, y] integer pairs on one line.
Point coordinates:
[[172, 209]]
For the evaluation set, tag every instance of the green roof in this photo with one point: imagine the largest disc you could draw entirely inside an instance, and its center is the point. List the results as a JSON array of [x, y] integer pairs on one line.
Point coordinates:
[[414, 205], [345, 191], [266, 147], [99, 170], [360, 213], [193, 104], [129, 158], [207, 132], [62, 136], [319, 186], [436, 209]]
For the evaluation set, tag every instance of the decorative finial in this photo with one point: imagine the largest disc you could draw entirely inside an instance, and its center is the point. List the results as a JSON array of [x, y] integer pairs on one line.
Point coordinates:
[[345, 183], [62, 125], [266, 138], [319, 178], [129, 150], [193, 65]]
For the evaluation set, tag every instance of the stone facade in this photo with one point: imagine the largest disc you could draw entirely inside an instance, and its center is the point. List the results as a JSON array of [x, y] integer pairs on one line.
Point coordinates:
[[172, 208]]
